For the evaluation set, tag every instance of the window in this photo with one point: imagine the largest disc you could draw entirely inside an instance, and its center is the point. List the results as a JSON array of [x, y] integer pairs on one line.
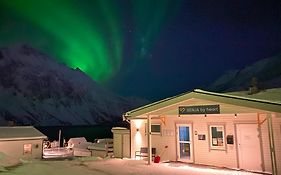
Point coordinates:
[[217, 137], [27, 148], [155, 128]]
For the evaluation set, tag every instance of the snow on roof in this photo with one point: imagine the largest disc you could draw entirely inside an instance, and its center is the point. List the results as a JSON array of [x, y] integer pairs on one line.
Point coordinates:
[[119, 128], [20, 133], [268, 95], [77, 139], [269, 100]]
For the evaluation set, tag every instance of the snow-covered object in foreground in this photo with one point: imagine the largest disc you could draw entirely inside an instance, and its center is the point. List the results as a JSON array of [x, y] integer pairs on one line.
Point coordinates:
[[36, 90], [57, 153], [78, 142], [102, 148], [80, 146]]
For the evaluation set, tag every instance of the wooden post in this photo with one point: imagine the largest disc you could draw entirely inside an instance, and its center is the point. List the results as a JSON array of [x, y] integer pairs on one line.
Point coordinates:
[[271, 143], [59, 137], [149, 140], [260, 140]]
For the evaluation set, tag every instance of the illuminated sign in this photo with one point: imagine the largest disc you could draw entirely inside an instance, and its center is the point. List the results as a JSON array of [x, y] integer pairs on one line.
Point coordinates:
[[206, 109]]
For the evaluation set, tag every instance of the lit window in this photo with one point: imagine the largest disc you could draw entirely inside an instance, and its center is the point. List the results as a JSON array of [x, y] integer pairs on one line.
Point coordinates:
[[27, 148], [217, 137]]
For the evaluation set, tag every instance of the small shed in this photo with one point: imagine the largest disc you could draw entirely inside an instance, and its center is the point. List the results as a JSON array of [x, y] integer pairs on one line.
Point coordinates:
[[121, 142], [21, 142]]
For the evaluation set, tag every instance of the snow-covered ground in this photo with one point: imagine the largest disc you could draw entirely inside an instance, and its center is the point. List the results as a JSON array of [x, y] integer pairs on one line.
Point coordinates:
[[98, 166], [7, 161]]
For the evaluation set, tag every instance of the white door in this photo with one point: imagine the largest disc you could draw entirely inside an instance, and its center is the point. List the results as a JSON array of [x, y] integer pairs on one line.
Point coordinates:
[[184, 143], [248, 142]]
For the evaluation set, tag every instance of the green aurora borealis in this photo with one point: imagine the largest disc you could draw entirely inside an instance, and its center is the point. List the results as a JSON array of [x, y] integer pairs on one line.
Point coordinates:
[[89, 35], [146, 48]]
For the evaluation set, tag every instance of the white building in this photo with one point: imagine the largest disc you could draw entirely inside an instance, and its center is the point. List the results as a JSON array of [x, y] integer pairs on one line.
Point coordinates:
[[21, 142], [233, 130]]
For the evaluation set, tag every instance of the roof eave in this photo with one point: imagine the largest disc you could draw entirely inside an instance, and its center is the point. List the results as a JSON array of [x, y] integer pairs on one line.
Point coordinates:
[[24, 138], [200, 94]]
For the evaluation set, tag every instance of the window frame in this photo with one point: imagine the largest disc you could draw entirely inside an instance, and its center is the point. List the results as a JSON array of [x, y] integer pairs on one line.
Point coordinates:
[[27, 148], [153, 132], [219, 147]]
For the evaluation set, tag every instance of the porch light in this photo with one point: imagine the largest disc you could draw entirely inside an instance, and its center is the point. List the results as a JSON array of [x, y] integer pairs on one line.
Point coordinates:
[[138, 123], [138, 139], [235, 115]]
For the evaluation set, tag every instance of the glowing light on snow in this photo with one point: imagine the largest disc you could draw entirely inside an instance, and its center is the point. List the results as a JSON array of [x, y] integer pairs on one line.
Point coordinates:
[[204, 170]]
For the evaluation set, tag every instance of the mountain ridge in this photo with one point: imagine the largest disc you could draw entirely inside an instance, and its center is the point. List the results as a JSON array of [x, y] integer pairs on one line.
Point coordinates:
[[36, 90], [267, 72]]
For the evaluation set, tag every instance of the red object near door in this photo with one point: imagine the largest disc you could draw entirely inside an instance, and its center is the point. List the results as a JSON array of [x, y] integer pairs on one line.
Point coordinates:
[[156, 159]]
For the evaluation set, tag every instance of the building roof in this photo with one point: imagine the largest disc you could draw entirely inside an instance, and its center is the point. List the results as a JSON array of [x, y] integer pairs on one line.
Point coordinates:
[[268, 100], [270, 95], [20, 133]]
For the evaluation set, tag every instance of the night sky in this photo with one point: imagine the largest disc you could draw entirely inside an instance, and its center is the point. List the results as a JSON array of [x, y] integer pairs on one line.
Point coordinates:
[[146, 48]]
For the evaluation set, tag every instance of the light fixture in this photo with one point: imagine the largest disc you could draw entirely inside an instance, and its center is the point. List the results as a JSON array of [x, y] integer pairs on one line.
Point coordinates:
[[235, 115], [138, 129], [179, 116], [205, 115], [138, 139], [138, 123]]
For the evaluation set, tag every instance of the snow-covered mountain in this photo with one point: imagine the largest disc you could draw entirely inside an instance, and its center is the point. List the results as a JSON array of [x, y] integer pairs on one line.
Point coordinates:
[[37, 90], [266, 71]]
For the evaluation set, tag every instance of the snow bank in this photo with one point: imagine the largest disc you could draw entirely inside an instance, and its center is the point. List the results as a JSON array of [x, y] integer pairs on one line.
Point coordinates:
[[7, 161]]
